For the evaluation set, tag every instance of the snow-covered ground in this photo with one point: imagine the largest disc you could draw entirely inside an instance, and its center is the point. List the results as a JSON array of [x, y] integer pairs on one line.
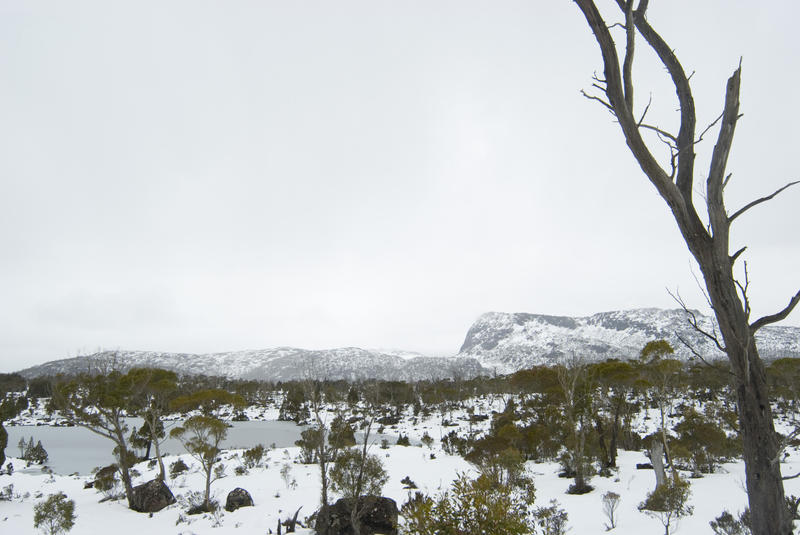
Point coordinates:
[[276, 498]]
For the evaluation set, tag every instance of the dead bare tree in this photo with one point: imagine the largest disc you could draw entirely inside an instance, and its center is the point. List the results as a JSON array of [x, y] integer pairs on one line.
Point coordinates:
[[707, 241]]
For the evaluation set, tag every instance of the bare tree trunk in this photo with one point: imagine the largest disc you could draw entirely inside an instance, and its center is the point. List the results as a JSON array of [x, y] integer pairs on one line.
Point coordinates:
[[768, 510], [708, 241], [657, 460], [124, 459], [208, 488], [612, 448], [162, 473]]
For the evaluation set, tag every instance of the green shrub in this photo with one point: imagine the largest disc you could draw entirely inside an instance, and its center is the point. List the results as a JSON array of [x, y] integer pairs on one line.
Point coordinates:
[[253, 456], [471, 506], [177, 468], [669, 502], [726, 524], [552, 520], [54, 515], [354, 475]]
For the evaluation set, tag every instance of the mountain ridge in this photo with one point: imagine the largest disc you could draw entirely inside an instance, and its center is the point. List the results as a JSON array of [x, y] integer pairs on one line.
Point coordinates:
[[497, 342], [276, 364]]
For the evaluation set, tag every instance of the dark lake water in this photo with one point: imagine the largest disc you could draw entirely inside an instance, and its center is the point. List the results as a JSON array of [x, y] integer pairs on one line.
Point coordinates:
[[76, 449]]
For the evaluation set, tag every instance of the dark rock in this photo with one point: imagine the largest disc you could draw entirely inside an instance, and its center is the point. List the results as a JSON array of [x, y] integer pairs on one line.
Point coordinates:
[[237, 498], [644, 466], [152, 496], [379, 517]]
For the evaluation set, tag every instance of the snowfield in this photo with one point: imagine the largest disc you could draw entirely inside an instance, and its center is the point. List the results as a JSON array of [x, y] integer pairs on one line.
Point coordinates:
[[430, 468]]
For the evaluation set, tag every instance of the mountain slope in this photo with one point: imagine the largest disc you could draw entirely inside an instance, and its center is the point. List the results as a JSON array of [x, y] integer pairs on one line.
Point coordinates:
[[277, 364], [506, 342]]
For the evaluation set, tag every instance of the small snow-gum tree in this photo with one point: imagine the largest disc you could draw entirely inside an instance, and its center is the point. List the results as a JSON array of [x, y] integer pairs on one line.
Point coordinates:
[[707, 238], [202, 436], [99, 403], [669, 502]]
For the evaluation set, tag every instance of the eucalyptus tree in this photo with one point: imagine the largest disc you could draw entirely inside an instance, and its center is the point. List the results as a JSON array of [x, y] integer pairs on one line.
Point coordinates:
[[706, 236], [156, 389], [662, 375], [614, 384], [100, 403], [202, 437], [202, 434]]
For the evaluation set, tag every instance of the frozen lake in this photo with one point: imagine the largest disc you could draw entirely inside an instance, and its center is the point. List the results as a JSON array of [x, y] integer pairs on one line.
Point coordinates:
[[76, 449]]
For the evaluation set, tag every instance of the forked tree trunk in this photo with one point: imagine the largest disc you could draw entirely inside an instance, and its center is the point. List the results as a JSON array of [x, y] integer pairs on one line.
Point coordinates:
[[708, 241]]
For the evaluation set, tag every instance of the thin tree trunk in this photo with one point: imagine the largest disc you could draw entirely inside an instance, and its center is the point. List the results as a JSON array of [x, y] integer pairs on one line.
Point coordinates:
[[657, 460], [208, 489], [124, 461], [605, 457], [612, 447], [162, 473]]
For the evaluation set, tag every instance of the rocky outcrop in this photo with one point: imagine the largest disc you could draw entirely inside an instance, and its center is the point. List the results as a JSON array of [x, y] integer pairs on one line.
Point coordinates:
[[377, 515], [509, 342], [152, 496], [237, 498]]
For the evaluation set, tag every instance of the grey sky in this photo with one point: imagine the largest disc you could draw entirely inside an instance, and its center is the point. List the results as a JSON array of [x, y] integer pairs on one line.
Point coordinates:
[[206, 176]]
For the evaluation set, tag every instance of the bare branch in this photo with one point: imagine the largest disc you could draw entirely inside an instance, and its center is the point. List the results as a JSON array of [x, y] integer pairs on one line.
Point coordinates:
[[709, 127], [660, 132], [693, 350], [646, 109], [774, 318], [692, 319], [600, 100], [627, 64], [685, 171], [717, 215], [727, 179], [736, 255], [759, 201], [743, 291]]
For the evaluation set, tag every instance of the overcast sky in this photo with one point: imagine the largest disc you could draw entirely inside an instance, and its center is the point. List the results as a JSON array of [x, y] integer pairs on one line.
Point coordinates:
[[206, 176]]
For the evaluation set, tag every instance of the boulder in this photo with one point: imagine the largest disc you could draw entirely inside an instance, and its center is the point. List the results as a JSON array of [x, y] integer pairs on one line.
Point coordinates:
[[152, 496], [237, 498], [379, 517]]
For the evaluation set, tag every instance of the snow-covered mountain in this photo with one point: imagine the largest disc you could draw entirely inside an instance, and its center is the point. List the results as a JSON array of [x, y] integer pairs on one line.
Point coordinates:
[[496, 343], [277, 364], [507, 342]]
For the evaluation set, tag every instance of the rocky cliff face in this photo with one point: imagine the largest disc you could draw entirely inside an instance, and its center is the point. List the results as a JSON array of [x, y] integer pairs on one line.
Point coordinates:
[[507, 342]]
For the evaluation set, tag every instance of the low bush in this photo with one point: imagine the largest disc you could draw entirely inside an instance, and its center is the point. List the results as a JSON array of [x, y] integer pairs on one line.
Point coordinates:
[[177, 468], [54, 515]]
